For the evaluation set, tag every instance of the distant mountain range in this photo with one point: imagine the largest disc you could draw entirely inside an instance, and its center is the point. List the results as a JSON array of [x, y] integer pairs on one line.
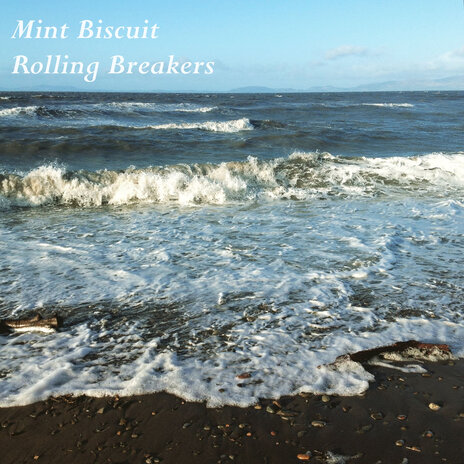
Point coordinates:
[[446, 83]]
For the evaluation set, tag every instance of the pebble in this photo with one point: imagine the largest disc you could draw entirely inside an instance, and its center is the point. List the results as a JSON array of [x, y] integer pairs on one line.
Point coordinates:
[[273, 433], [258, 406], [401, 417], [318, 423], [325, 398], [428, 434], [303, 456], [399, 442], [377, 416], [186, 425], [244, 375], [270, 410], [287, 413], [414, 448], [434, 406], [36, 457], [101, 411]]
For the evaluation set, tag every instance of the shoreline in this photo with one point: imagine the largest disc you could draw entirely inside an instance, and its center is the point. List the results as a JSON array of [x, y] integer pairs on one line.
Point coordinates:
[[392, 422]]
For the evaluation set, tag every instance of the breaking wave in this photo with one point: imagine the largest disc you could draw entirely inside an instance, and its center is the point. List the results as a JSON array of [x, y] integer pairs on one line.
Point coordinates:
[[390, 105], [19, 110], [163, 107], [301, 176], [236, 125]]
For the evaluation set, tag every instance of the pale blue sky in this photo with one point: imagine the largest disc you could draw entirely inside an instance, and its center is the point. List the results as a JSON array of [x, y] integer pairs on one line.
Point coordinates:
[[297, 44]]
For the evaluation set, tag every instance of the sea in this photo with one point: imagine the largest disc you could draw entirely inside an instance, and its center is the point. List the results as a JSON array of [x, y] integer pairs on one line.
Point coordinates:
[[225, 247]]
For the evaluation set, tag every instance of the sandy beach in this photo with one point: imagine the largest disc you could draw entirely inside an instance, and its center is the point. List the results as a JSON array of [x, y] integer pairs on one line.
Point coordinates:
[[393, 422]]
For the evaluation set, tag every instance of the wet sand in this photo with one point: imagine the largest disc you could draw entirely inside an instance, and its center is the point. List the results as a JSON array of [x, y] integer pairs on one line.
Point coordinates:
[[391, 423]]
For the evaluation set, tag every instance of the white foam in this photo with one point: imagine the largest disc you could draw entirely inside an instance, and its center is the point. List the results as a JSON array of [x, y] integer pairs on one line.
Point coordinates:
[[390, 105], [161, 107], [18, 110], [58, 365], [301, 176], [236, 125]]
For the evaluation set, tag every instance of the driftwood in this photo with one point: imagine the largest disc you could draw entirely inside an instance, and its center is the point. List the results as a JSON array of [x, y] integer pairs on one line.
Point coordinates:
[[34, 323], [366, 355]]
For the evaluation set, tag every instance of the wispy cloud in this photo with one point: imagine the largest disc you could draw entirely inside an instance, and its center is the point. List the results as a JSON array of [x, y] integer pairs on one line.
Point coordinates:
[[452, 60], [345, 51]]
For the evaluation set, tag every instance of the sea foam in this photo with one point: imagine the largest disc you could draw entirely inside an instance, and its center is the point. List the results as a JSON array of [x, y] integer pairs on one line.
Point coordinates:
[[300, 176]]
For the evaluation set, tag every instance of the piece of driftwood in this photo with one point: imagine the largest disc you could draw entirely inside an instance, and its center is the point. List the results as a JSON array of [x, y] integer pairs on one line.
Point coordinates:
[[33, 323], [366, 355]]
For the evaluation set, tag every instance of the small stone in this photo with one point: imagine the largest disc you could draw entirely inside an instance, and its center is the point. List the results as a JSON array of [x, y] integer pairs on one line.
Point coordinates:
[[401, 417], [273, 433], [134, 435], [153, 413], [287, 413], [325, 398], [242, 426], [346, 408], [303, 456], [399, 442], [301, 434], [101, 411], [36, 457], [318, 423], [377, 416], [414, 448], [258, 406], [244, 375], [270, 409], [461, 414], [248, 434], [428, 434], [122, 422], [434, 406], [207, 428], [186, 425]]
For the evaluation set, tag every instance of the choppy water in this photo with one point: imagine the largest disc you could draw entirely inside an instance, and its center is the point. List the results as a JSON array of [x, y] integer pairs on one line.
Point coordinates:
[[186, 239]]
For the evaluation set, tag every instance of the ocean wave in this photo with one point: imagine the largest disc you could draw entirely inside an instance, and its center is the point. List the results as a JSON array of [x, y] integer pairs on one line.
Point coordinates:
[[162, 107], [236, 125], [390, 105], [5, 98], [19, 110], [301, 176]]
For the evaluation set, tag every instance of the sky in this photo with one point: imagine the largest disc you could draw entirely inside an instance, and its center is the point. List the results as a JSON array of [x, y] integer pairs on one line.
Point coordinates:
[[298, 44]]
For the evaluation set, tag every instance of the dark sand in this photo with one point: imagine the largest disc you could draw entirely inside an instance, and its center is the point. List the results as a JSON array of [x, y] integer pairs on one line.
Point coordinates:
[[163, 428]]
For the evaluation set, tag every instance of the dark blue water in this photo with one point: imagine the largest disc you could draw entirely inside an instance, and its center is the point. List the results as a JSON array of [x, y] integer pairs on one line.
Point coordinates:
[[98, 131]]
